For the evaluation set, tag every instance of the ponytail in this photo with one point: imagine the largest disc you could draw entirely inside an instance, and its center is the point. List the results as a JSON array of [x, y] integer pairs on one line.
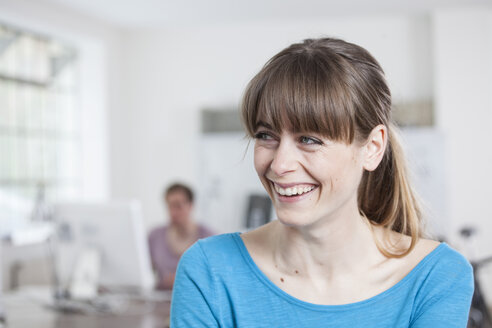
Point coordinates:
[[386, 198]]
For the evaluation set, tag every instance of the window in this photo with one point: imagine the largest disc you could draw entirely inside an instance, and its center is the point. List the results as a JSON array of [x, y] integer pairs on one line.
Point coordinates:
[[40, 134]]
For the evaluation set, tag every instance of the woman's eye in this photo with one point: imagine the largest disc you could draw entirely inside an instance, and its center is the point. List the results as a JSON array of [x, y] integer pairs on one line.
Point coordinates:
[[310, 141], [263, 136]]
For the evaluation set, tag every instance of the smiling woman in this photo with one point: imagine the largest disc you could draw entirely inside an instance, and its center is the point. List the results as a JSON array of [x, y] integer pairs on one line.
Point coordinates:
[[348, 248]]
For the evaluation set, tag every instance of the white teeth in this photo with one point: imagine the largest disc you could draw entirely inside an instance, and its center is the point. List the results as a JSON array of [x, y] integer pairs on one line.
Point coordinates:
[[293, 191]]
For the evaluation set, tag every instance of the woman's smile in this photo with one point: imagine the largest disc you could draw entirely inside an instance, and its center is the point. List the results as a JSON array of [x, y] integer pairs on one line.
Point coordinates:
[[292, 192]]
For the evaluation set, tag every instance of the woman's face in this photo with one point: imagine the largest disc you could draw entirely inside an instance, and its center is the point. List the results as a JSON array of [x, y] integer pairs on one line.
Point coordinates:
[[309, 178]]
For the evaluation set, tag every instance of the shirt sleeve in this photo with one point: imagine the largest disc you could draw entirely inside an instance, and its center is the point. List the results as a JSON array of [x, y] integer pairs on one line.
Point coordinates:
[[447, 299], [193, 301]]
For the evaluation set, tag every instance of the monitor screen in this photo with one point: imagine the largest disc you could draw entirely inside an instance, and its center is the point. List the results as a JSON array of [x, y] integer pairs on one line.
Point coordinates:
[[116, 231]]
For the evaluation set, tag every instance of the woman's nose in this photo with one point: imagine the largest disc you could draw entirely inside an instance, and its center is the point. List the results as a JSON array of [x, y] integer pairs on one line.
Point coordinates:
[[284, 159]]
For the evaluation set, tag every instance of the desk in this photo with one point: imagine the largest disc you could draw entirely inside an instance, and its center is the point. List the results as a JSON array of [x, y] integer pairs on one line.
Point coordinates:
[[14, 260], [27, 309]]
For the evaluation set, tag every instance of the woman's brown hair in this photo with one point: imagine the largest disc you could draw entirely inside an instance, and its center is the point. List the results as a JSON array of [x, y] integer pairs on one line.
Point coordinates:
[[338, 90]]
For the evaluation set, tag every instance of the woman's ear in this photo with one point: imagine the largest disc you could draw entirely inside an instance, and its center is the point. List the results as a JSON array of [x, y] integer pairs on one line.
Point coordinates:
[[375, 147]]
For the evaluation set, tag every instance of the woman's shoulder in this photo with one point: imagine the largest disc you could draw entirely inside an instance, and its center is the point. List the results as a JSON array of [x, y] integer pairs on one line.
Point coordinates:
[[219, 240], [398, 243], [440, 268], [445, 258], [428, 262], [444, 279], [214, 248], [422, 249], [438, 256]]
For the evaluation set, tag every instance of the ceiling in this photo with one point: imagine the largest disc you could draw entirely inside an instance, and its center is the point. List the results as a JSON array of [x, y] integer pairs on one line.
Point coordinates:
[[166, 13]]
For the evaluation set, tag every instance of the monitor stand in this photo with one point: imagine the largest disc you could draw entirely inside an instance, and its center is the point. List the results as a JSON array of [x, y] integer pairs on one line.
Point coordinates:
[[85, 277], [83, 286]]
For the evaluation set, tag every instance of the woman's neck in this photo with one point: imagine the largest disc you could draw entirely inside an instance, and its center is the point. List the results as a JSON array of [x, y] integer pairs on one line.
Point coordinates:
[[330, 249]]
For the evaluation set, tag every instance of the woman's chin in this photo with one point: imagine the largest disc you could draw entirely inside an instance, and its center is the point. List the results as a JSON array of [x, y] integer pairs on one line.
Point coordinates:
[[293, 221]]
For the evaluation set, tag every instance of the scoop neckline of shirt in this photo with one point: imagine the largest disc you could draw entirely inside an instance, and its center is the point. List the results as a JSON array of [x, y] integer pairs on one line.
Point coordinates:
[[323, 307]]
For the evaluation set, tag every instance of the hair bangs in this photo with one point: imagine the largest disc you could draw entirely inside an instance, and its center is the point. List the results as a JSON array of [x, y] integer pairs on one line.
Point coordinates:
[[301, 94]]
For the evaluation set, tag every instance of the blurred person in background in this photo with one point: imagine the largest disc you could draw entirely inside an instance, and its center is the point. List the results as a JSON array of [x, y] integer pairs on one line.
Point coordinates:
[[167, 243]]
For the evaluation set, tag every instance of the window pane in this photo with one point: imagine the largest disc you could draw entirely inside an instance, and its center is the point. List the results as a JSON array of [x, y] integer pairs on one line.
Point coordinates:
[[33, 109], [4, 107], [9, 154], [39, 125]]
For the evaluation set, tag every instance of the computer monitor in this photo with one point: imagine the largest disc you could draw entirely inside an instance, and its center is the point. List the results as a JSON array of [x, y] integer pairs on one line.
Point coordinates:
[[115, 230]]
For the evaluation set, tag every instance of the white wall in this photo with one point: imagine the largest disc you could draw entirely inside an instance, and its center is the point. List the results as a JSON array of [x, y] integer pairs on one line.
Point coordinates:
[[463, 85], [172, 74], [463, 64]]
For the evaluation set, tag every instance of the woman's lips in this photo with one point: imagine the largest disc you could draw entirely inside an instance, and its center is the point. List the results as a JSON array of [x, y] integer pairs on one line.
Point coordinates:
[[293, 192]]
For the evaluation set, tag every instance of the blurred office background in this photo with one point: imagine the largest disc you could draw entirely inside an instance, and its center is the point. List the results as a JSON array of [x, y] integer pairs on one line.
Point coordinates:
[[104, 100]]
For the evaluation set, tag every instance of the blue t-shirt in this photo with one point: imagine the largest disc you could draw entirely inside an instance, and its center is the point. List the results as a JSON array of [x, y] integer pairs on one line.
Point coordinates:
[[219, 285]]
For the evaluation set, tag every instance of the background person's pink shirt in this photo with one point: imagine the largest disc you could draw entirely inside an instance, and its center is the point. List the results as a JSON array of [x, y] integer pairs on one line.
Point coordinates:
[[164, 259]]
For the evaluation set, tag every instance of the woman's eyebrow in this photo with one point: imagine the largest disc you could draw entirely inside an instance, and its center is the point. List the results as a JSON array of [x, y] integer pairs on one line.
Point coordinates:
[[263, 124]]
